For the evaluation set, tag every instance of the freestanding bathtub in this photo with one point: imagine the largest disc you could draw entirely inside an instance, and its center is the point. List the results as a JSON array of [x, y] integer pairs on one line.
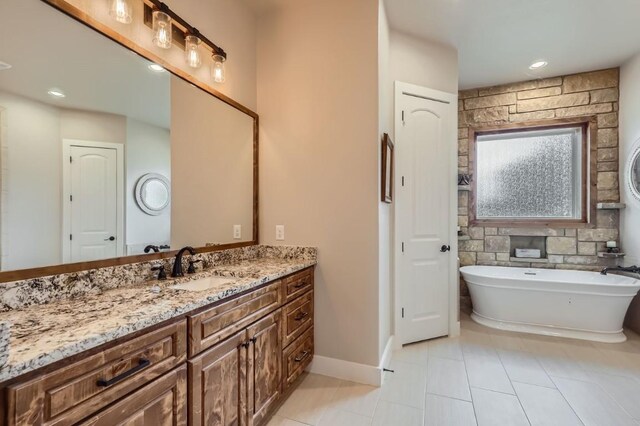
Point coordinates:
[[576, 304]]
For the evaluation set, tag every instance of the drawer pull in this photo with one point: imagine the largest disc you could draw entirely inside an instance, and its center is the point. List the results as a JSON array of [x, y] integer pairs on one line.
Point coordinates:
[[142, 364], [301, 316], [304, 355], [301, 284]]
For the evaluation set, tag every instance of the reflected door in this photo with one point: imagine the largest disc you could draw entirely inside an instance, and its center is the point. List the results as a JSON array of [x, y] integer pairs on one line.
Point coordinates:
[[93, 200], [423, 211]]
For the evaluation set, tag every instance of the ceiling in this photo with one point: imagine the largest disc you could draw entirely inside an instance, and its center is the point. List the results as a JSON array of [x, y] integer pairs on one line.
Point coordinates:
[[47, 49], [497, 40]]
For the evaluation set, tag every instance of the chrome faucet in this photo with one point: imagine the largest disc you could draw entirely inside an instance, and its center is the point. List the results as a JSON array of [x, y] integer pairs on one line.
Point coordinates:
[[633, 269], [177, 263]]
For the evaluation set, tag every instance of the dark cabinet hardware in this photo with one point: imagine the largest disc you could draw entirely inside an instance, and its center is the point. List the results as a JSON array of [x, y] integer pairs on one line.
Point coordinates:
[[301, 284], [245, 344], [301, 316], [142, 364], [192, 269], [445, 248], [162, 274], [304, 355], [254, 339]]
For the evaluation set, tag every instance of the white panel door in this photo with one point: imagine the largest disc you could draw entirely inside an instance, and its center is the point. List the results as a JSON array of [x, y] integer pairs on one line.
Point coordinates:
[[423, 212], [94, 214]]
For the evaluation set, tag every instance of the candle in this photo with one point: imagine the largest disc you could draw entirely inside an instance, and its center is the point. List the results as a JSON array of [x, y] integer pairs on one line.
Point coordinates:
[[611, 244]]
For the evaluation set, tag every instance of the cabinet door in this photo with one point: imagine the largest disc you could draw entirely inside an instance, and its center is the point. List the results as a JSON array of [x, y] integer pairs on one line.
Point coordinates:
[[218, 384], [160, 403], [265, 366]]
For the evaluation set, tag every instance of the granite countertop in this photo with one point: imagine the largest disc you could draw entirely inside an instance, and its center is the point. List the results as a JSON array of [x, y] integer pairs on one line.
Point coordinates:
[[43, 334]]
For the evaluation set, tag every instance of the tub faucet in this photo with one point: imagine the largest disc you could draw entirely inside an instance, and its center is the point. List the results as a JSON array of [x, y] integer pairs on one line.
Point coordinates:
[[633, 269]]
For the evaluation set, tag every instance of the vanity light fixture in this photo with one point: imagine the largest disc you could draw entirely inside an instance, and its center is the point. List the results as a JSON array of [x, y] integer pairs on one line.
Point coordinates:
[[162, 28], [57, 93], [192, 50], [217, 69], [156, 68], [121, 11], [538, 64]]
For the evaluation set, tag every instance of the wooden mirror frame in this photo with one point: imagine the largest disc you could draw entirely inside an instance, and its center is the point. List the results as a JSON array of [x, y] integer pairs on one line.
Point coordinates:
[[84, 18]]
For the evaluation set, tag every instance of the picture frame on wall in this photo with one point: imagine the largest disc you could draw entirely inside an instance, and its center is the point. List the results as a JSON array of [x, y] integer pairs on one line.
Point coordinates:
[[387, 161]]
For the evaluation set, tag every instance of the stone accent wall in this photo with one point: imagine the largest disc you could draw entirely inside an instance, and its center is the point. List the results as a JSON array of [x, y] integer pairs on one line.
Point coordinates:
[[587, 94]]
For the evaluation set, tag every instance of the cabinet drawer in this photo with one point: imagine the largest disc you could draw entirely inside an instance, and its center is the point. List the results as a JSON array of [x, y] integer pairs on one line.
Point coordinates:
[[297, 356], [298, 316], [78, 390], [160, 403], [296, 284], [216, 324]]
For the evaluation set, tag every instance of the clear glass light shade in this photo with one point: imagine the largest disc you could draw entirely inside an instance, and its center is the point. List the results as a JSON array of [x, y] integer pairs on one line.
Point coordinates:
[[162, 29], [121, 11], [217, 69], [192, 51]]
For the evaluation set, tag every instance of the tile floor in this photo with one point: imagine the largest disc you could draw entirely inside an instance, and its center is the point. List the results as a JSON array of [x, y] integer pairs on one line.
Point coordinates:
[[484, 377]]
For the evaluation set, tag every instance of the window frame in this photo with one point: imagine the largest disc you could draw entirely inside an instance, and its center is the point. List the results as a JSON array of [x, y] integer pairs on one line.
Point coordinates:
[[588, 179]]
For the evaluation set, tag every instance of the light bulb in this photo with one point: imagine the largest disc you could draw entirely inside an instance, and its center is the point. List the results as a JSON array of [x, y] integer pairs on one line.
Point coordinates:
[[217, 69], [121, 11], [162, 29], [191, 51]]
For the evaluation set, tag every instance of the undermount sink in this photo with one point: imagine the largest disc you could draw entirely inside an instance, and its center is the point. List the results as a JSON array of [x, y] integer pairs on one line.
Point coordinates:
[[203, 284]]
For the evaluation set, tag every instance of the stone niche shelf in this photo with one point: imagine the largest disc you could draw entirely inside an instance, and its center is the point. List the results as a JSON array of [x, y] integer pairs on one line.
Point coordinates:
[[466, 188], [529, 259], [610, 255], [611, 206]]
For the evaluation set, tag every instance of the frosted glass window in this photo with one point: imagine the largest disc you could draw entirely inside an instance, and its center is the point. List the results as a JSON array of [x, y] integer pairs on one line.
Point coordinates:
[[533, 174]]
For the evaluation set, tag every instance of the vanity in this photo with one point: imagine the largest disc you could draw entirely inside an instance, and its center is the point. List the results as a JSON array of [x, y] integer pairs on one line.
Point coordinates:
[[225, 355], [133, 286]]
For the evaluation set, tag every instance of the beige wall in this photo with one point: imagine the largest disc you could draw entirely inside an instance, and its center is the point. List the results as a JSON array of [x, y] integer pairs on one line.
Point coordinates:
[[211, 168], [586, 94], [629, 134], [318, 106], [229, 23]]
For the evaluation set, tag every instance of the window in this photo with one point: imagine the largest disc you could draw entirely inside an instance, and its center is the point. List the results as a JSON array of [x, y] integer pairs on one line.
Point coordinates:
[[535, 174]]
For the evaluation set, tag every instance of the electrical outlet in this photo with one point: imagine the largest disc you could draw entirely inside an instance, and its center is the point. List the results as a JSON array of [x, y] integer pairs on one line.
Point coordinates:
[[237, 232], [279, 232]]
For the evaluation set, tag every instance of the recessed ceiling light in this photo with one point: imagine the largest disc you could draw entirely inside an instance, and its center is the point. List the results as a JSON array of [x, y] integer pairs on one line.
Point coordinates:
[[57, 93], [156, 68], [4, 66], [538, 64]]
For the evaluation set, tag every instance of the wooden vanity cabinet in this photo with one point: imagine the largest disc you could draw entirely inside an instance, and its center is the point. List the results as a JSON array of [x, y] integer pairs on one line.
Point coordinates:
[[226, 365]]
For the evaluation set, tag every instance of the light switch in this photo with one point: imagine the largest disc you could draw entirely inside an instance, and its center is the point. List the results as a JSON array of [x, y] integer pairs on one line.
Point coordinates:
[[237, 232], [279, 232]]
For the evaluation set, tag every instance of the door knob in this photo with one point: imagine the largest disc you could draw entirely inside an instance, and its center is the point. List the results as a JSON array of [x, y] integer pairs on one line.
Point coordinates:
[[445, 248], [111, 238]]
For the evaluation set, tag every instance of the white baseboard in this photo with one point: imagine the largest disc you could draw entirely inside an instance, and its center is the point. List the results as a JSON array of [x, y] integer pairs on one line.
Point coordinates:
[[386, 357], [346, 370], [352, 371]]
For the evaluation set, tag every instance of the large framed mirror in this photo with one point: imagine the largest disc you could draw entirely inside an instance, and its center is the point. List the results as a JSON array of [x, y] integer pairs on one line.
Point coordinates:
[[633, 171], [104, 153]]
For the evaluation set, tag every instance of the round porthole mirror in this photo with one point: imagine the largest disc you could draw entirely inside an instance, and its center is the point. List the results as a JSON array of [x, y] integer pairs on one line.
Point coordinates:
[[633, 171], [153, 193]]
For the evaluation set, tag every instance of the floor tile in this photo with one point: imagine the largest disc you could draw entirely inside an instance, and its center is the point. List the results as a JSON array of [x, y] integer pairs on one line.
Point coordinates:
[[448, 377], [390, 414], [476, 343], [508, 342], [440, 410], [415, 353], [406, 385], [356, 398], [487, 372], [343, 418], [446, 347], [308, 402], [281, 421], [494, 408], [524, 367], [592, 405], [624, 390], [545, 406]]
